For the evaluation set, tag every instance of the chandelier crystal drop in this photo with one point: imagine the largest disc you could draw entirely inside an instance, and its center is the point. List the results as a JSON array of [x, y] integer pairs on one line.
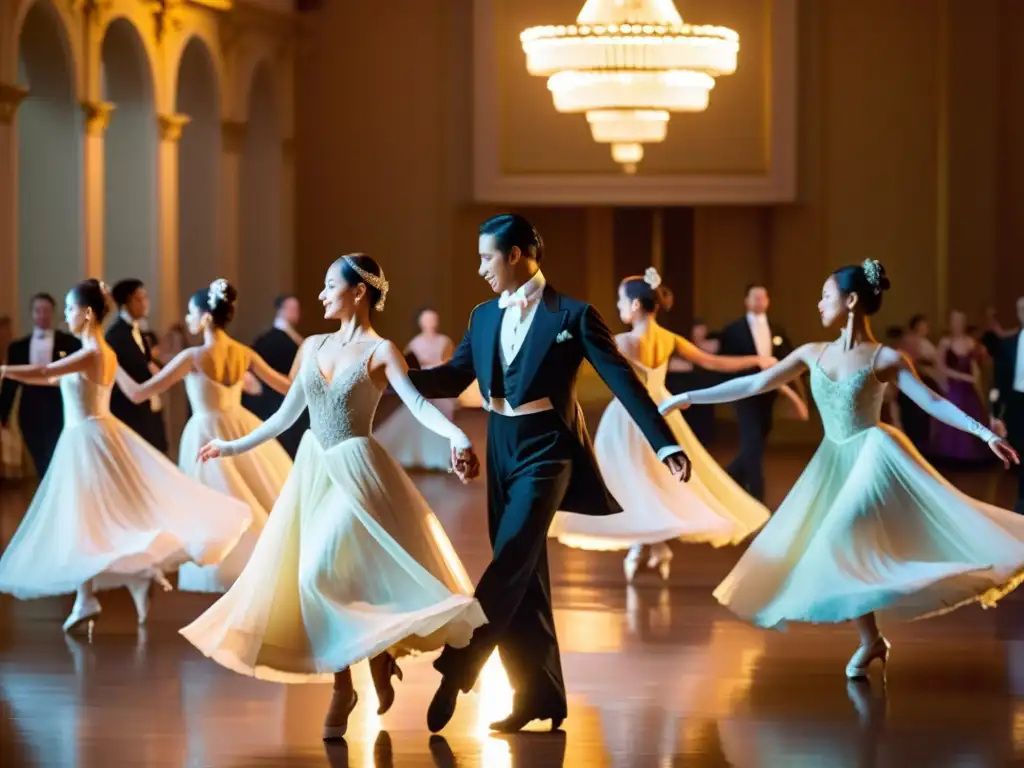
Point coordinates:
[[627, 64]]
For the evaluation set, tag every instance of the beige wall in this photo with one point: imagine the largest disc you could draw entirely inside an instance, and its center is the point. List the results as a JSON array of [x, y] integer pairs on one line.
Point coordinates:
[[910, 118]]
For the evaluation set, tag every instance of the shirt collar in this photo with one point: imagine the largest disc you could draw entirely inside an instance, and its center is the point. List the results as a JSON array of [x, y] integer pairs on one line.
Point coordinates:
[[757, 319], [128, 318], [39, 333], [532, 289]]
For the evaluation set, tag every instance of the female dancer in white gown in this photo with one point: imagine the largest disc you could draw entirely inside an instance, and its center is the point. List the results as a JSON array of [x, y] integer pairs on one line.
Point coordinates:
[[111, 511], [214, 373], [409, 442], [869, 526], [656, 506], [352, 564]]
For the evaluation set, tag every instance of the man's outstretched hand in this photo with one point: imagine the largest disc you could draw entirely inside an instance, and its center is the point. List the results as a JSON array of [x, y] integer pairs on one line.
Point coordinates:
[[679, 465]]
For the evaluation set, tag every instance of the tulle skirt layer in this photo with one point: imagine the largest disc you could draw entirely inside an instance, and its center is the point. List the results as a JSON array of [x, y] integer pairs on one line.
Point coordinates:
[[110, 508], [255, 477], [656, 506], [870, 526], [352, 563]]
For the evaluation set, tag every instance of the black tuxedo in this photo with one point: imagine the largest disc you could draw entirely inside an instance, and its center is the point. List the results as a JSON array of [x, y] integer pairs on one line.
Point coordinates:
[[1008, 405], [753, 414], [40, 413], [278, 349], [135, 362], [536, 465]]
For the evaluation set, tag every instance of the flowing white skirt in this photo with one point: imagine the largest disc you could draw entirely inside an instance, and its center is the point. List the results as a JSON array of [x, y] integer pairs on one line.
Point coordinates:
[[352, 563], [413, 445], [255, 477], [656, 506], [111, 507], [871, 526]]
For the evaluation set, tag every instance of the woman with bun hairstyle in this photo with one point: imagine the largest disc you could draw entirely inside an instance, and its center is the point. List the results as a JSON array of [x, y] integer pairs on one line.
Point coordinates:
[[656, 506], [111, 510], [869, 527], [214, 374]]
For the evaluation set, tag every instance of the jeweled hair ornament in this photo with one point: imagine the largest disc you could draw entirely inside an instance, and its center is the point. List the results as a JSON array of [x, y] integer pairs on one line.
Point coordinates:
[[652, 278], [374, 281], [873, 272], [218, 292]]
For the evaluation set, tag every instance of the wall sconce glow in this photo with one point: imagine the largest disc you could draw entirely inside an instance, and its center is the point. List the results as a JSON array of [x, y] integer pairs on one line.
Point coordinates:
[[627, 64]]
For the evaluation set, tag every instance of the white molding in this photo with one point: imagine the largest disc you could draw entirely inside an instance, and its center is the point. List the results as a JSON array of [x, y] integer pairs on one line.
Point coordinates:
[[492, 185]]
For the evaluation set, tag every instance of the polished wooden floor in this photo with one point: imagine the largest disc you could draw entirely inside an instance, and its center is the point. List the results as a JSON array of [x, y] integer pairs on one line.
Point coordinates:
[[658, 675]]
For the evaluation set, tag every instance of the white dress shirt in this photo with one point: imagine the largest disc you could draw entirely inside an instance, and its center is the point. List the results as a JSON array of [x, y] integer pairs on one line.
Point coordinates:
[[1018, 374], [520, 308], [762, 333], [40, 347], [283, 325]]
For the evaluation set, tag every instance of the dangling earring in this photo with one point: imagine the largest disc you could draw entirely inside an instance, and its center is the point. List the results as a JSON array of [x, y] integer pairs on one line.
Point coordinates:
[[849, 330]]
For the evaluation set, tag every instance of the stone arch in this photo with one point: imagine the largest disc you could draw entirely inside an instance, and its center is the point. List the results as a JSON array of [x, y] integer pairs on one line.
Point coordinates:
[[49, 152], [197, 95]]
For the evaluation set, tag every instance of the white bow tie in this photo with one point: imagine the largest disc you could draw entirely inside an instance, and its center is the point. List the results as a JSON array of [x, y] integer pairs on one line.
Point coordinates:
[[514, 300]]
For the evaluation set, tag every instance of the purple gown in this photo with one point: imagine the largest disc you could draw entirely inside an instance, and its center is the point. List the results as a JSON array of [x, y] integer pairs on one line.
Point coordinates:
[[947, 442]]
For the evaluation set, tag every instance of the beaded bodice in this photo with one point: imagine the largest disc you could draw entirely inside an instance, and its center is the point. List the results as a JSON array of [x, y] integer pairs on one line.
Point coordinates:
[[344, 407], [207, 396], [848, 405], [83, 398]]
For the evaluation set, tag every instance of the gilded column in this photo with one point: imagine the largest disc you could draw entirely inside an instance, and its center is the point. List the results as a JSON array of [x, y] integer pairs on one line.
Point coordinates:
[[167, 308], [287, 259], [228, 222], [97, 118], [11, 97]]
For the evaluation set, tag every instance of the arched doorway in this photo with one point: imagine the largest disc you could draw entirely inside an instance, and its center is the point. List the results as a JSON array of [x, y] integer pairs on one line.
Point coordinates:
[[49, 129], [260, 261], [198, 169], [130, 144]]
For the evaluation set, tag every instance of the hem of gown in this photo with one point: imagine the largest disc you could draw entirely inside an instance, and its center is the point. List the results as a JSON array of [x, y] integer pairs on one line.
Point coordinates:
[[456, 610], [591, 543], [988, 598], [122, 569]]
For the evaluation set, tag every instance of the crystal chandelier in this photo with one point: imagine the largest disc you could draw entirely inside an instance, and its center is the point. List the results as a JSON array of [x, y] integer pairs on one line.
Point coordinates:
[[627, 64]]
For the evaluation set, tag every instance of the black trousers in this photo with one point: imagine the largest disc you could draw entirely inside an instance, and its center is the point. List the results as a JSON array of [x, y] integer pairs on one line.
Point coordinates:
[[40, 438], [529, 465], [755, 422]]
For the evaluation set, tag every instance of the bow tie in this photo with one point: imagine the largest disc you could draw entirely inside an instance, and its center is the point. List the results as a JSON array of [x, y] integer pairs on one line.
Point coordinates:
[[514, 300], [42, 334]]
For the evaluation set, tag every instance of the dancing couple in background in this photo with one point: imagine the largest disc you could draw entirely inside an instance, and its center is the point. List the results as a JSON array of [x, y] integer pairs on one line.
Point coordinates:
[[111, 510]]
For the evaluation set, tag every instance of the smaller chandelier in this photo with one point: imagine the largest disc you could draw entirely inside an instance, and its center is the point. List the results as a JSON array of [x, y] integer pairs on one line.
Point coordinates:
[[627, 64]]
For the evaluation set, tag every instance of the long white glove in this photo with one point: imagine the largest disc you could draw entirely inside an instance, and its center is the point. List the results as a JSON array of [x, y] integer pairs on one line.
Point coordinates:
[[290, 410], [425, 412], [726, 392], [940, 408], [934, 405]]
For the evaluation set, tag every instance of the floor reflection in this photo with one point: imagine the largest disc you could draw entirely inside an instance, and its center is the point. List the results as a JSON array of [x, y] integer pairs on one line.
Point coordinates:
[[658, 675]]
